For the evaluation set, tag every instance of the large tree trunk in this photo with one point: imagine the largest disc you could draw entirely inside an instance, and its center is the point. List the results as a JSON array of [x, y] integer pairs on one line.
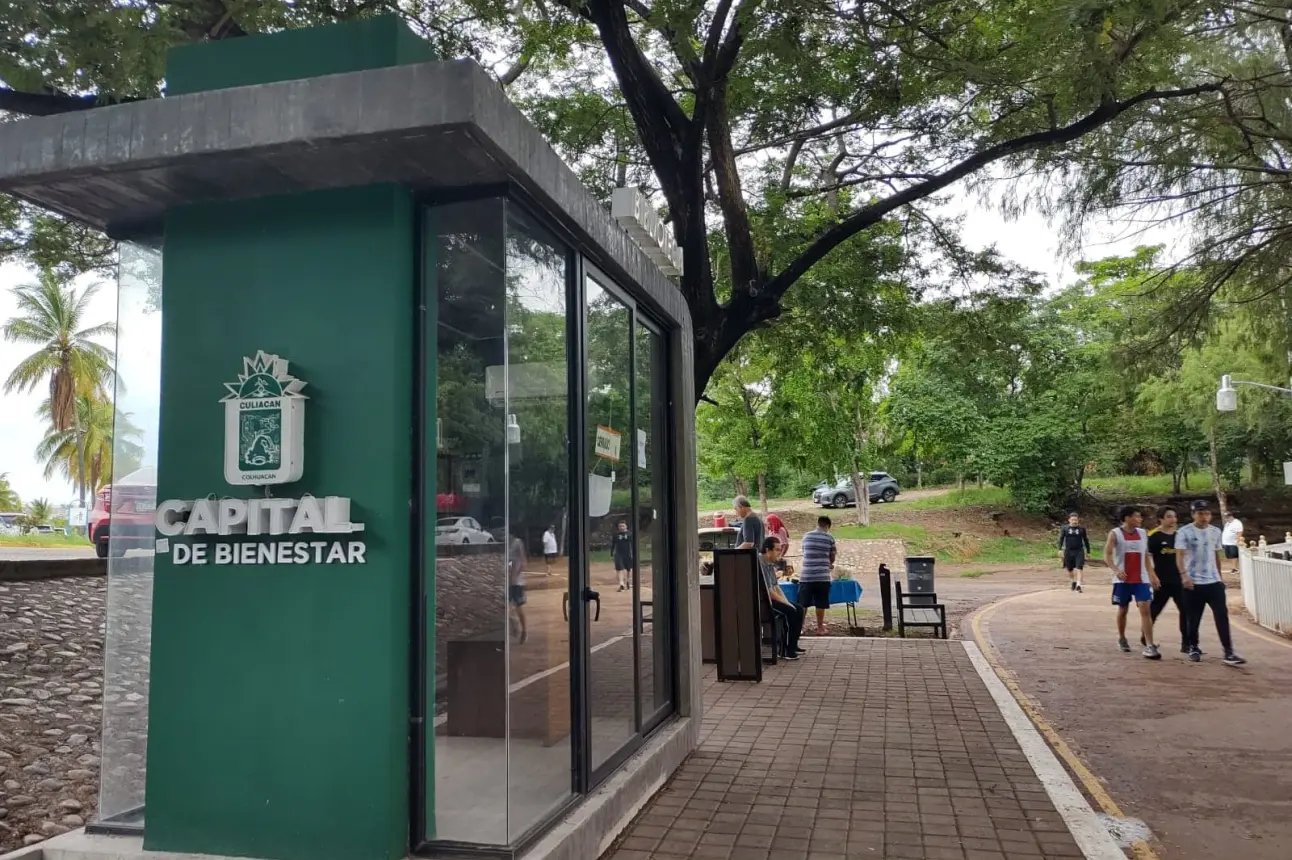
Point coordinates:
[[861, 486], [1221, 498], [762, 492]]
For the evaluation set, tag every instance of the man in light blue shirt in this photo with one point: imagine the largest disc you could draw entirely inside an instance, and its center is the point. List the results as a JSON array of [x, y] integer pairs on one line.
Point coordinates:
[[1199, 547]]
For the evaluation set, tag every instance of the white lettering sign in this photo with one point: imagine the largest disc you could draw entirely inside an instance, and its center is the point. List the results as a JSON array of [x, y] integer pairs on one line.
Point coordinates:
[[634, 213], [309, 515]]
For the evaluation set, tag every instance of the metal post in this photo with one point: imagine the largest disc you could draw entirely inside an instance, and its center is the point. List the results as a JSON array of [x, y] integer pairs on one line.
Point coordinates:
[[886, 595]]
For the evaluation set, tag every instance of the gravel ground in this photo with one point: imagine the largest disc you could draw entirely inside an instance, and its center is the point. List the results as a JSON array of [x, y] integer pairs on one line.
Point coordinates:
[[51, 679]]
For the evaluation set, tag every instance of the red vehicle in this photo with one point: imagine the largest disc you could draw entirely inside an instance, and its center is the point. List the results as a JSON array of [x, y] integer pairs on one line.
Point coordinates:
[[122, 516]]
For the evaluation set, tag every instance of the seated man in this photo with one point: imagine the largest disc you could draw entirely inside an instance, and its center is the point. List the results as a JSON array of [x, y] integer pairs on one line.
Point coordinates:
[[792, 615]]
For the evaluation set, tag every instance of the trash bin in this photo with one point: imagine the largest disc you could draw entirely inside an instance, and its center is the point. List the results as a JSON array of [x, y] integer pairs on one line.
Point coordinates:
[[919, 578]]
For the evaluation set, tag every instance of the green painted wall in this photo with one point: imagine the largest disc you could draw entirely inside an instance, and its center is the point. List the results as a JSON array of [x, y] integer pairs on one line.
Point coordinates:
[[279, 694], [354, 46]]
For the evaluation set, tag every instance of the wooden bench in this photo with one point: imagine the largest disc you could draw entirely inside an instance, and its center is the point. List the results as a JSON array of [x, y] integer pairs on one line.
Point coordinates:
[[922, 611]]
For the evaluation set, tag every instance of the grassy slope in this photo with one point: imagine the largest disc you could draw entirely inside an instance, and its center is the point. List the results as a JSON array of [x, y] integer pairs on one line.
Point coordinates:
[[949, 547]]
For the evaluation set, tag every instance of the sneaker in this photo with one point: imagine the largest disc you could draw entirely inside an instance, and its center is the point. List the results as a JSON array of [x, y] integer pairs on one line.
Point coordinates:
[[1232, 659], [796, 655], [1124, 645], [623, 588], [1079, 588], [1195, 656], [1185, 649], [1151, 652], [1074, 586]]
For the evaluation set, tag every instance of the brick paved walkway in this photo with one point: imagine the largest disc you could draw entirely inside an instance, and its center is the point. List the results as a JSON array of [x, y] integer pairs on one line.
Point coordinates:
[[867, 749]]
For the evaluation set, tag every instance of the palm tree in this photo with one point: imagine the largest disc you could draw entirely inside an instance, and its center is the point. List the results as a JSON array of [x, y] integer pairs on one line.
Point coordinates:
[[67, 359], [9, 500], [84, 452], [38, 511]]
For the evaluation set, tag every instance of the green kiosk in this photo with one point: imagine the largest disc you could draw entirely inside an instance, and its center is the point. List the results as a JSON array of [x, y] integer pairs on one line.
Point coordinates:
[[410, 399]]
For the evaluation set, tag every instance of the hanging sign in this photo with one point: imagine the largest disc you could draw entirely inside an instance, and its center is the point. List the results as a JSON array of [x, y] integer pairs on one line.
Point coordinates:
[[607, 446], [264, 424]]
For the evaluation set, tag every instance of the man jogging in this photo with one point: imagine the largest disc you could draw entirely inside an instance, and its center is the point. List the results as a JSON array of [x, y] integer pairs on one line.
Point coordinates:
[[819, 553], [1126, 554], [1161, 549], [1074, 546], [1199, 546]]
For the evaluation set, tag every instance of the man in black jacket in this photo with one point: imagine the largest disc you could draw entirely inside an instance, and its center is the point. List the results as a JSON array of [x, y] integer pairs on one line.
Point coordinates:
[[1074, 543]]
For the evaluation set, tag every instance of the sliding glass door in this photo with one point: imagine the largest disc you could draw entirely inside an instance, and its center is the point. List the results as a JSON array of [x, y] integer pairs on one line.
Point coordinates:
[[627, 599]]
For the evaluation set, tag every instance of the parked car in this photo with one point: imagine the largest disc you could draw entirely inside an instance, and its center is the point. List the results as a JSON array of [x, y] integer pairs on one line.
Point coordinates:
[[460, 530], [9, 523], [882, 486], [122, 516]]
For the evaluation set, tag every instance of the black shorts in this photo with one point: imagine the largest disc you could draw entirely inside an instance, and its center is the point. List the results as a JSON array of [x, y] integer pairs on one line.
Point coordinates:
[[814, 594], [551, 557], [1231, 551], [516, 595], [1074, 559]]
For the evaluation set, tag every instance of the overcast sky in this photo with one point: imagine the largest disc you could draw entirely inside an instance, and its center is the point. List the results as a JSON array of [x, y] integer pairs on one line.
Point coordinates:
[[1029, 241]]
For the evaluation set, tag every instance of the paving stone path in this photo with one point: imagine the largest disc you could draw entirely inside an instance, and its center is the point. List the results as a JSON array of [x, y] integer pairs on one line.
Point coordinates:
[[51, 689], [867, 749]]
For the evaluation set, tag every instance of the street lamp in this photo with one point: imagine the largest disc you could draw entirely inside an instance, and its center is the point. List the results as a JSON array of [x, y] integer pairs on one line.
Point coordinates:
[[1227, 395]]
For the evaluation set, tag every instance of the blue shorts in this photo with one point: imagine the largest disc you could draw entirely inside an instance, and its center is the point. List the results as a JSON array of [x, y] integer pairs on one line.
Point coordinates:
[[1125, 592]]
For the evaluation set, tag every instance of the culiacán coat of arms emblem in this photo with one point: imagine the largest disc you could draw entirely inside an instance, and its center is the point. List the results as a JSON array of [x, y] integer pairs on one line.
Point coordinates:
[[264, 424]]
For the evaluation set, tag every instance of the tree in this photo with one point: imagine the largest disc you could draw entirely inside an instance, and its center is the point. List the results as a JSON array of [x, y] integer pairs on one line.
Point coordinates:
[[68, 359], [85, 452], [863, 110], [9, 500], [37, 513]]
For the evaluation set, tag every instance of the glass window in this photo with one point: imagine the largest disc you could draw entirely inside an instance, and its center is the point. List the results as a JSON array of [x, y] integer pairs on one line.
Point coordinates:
[[121, 525], [650, 449], [612, 525], [500, 762]]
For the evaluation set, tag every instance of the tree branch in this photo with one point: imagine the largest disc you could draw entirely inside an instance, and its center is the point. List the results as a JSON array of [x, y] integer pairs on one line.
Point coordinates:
[[867, 216], [731, 199]]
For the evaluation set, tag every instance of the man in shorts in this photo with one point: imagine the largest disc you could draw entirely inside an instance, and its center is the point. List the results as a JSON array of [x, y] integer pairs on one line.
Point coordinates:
[[1126, 554], [1231, 538], [1199, 547], [1074, 546], [516, 582], [621, 546], [550, 548], [819, 553], [791, 615]]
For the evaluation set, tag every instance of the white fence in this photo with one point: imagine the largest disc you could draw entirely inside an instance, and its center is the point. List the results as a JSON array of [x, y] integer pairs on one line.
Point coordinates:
[[1267, 587]]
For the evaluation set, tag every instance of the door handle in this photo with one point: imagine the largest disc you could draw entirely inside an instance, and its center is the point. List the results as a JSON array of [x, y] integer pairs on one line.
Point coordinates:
[[565, 605], [589, 596]]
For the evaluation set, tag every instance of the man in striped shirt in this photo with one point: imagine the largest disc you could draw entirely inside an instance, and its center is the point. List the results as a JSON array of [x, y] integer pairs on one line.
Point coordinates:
[[1200, 548], [819, 553]]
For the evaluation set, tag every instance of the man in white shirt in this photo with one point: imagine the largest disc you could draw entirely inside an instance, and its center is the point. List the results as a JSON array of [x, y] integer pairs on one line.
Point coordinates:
[[550, 548], [1231, 538]]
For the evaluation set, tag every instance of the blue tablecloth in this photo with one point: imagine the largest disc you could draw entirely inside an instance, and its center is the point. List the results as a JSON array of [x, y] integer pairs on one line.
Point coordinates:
[[841, 591]]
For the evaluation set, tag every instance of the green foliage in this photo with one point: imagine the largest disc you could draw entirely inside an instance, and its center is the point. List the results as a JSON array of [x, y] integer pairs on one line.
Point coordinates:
[[68, 358], [953, 548], [987, 497], [9, 500]]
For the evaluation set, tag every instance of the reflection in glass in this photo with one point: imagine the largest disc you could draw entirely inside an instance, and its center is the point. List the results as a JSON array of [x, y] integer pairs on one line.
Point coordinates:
[[655, 667], [612, 524], [469, 566], [539, 764], [124, 511], [501, 757]]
